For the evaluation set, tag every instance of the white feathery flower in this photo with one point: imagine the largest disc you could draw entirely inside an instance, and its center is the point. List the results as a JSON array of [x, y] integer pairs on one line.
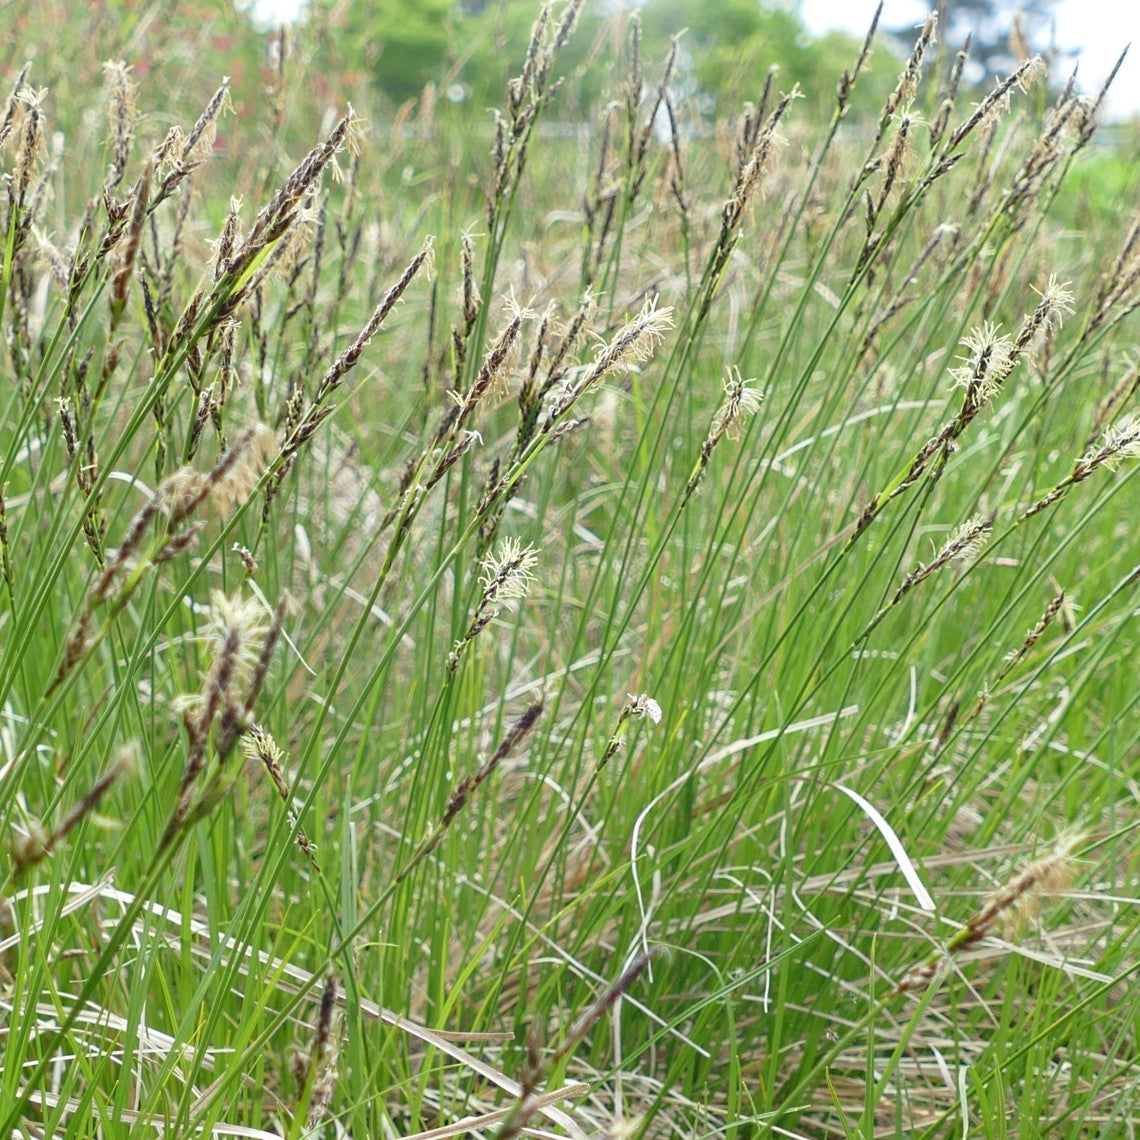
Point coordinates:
[[509, 573], [740, 402], [1119, 441], [237, 626], [1057, 298], [644, 706], [245, 617], [966, 541], [988, 360], [637, 340]]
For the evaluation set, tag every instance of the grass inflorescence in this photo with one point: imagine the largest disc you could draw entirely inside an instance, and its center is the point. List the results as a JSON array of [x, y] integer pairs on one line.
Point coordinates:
[[512, 630]]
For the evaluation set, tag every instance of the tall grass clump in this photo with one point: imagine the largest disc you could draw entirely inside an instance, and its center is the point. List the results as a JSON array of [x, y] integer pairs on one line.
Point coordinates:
[[621, 632]]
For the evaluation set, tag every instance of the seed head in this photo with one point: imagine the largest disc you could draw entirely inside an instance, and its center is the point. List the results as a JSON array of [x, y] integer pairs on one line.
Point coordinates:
[[501, 359], [471, 296], [1119, 441], [758, 162], [165, 154], [634, 343], [509, 573], [967, 541], [324, 1057], [1021, 897], [199, 144], [1028, 74], [638, 340], [122, 115], [740, 402], [236, 629], [1055, 304], [988, 360], [224, 244], [32, 148], [1056, 299], [255, 449], [52, 257], [907, 85], [37, 844], [644, 706]]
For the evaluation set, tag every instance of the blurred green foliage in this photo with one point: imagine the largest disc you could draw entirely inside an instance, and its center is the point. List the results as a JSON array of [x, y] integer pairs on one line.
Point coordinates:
[[467, 52], [731, 44]]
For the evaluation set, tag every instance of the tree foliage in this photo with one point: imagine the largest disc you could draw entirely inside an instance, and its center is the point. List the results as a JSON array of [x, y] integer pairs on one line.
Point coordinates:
[[469, 48], [401, 44]]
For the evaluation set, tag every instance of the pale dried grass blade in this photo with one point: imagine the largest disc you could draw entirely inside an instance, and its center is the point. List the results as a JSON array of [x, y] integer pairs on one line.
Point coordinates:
[[910, 872]]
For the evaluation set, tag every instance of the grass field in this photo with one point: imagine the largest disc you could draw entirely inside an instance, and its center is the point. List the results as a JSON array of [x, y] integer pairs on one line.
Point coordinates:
[[628, 632]]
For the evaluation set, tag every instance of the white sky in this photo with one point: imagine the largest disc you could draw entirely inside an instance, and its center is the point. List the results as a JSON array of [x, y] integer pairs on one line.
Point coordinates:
[[1099, 28]]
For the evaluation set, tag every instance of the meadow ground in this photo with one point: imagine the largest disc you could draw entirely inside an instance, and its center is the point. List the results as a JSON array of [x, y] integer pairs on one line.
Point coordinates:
[[626, 631]]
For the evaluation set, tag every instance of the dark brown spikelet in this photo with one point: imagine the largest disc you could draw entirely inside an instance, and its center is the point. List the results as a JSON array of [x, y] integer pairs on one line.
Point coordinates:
[[130, 245], [178, 156], [37, 846], [323, 1057], [8, 119], [123, 114], [538, 1067], [279, 214], [515, 735]]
